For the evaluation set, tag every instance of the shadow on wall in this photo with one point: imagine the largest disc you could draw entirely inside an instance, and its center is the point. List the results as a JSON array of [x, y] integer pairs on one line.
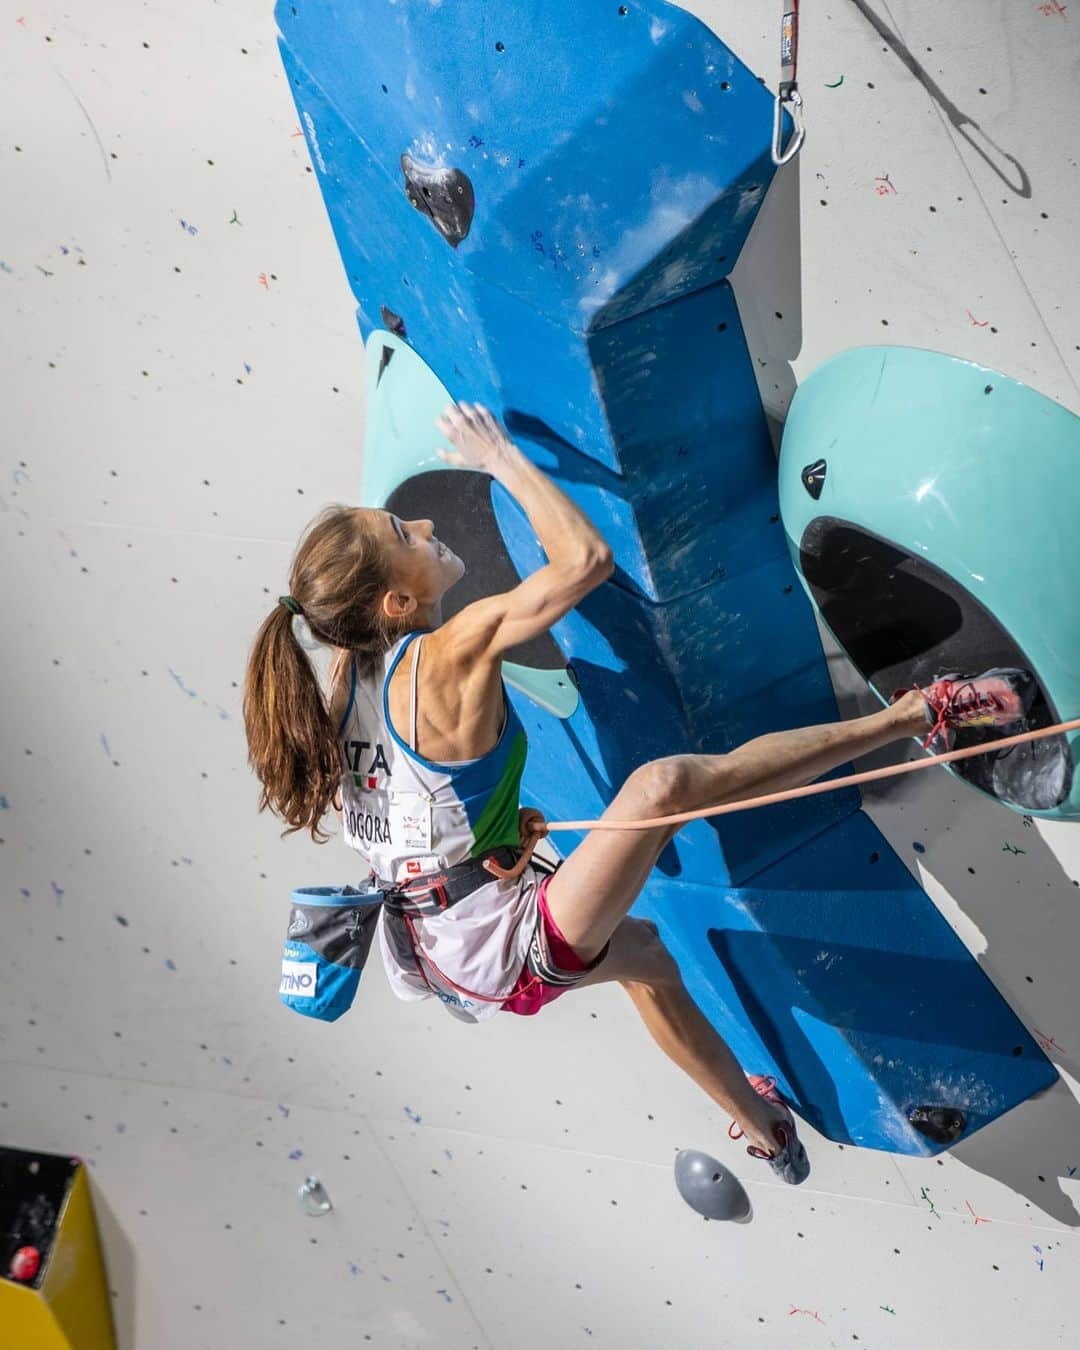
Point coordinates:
[[121, 1268], [767, 281], [1027, 910], [999, 160], [1000, 885]]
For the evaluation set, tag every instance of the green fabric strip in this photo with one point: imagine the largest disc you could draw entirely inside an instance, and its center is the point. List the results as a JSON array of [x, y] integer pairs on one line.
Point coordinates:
[[497, 824]]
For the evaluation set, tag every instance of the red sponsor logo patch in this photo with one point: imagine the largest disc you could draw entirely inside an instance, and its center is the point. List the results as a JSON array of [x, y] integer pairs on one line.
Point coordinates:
[[413, 868], [372, 781]]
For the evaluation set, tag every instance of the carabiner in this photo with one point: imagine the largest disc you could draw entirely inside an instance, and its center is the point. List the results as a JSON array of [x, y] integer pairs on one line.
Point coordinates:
[[787, 92], [788, 97]]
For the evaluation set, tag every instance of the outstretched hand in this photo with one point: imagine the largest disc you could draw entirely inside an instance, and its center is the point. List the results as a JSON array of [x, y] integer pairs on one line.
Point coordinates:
[[480, 440]]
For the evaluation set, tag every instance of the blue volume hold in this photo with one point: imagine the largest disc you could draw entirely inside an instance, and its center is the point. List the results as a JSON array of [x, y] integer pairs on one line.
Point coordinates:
[[537, 207]]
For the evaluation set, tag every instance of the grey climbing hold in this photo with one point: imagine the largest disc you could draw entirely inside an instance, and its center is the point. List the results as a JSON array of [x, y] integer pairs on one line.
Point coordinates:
[[394, 323], [314, 1199], [445, 196], [711, 1188]]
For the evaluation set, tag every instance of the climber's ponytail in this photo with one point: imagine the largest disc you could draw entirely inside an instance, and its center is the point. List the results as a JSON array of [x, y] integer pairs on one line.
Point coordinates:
[[338, 579]]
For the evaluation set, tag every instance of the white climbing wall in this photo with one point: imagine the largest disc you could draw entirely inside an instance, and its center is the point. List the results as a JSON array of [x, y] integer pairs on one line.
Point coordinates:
[[182, 389]]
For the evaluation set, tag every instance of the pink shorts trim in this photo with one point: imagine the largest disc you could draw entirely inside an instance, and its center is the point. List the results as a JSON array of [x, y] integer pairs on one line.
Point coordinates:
[[527, 1002]]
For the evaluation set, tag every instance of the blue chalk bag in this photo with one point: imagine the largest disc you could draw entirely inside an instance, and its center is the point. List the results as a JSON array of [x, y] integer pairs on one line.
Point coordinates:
[[330, 934]]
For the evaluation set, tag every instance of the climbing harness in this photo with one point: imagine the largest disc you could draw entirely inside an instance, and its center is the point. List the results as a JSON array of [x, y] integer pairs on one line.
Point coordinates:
[[432, 892], [787, 95], [435, 892]]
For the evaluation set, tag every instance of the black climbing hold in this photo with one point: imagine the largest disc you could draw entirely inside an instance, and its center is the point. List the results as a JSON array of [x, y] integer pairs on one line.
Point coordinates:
[[392, 322], [445, 196], [942, 1124], [813, 477], [385, 357]]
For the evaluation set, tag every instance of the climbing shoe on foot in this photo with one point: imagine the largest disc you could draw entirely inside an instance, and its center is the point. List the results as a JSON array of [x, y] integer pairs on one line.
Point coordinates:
[[998, 698], [789, 1161]]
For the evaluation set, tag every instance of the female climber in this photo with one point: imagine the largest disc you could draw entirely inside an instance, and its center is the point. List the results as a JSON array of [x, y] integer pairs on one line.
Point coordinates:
[[419, 749]]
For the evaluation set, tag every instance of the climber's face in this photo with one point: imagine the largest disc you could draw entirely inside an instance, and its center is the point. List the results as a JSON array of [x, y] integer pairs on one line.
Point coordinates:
[[422, 569]]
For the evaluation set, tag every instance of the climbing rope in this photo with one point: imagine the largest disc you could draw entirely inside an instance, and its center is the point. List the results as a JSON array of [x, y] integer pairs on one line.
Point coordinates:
[[771, 798]]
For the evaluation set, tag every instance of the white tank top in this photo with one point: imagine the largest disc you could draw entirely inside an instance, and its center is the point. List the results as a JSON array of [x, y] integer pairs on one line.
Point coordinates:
[[406, 815]]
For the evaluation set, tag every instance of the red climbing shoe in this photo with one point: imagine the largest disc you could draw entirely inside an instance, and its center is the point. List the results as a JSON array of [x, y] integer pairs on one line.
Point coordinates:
[[789, 1162], [998, 698]]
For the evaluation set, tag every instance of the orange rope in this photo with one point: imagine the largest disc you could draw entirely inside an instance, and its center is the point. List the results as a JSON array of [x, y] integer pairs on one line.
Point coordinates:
[[812, 789], [893, 771]]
